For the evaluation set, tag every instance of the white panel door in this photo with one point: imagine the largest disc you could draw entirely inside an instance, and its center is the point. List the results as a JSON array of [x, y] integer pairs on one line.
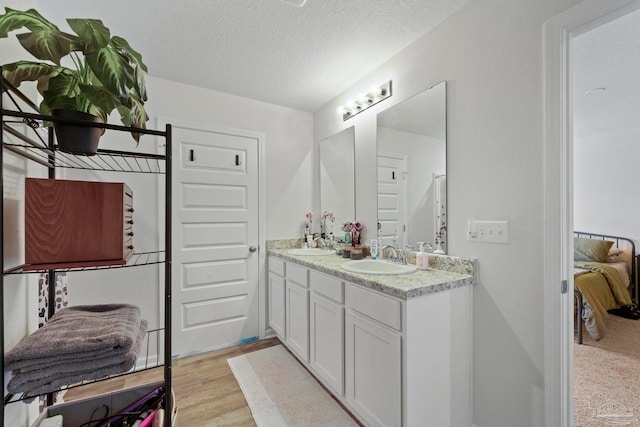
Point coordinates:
[[391, 199], [215, 225]]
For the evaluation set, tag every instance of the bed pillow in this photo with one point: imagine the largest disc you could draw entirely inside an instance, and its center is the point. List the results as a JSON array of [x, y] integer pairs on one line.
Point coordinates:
[[591, 249], [615, 255], [615, 258], [615, 251]]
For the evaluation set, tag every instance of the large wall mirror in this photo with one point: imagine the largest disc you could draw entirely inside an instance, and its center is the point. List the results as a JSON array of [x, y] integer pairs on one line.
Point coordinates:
[[337, 178], [412, 182]]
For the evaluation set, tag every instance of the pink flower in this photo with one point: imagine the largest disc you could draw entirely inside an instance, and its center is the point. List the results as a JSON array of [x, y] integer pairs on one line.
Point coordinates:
[[309, 216], [353, 228], [328, 215]]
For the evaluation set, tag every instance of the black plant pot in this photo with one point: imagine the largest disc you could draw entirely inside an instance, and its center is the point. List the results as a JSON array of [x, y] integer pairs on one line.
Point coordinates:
[[76, 139]]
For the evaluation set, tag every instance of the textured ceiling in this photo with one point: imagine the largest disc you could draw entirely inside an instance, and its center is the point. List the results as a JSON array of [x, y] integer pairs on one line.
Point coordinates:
[[607, 57], [269, 50]]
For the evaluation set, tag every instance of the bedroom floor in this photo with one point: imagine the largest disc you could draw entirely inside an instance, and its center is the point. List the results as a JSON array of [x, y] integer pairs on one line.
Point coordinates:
[[607, 376]]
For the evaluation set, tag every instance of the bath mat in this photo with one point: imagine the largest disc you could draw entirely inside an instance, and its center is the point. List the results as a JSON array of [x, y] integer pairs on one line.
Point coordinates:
[[280, 392]]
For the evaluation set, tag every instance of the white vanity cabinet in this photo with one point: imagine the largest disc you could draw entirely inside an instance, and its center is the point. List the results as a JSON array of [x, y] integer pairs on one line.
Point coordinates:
[[392, 361], [276, 290], [326, 330], [373, 362], [297, 310]]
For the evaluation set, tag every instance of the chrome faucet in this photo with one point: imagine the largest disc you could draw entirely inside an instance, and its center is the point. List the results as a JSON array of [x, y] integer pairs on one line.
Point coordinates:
[[398, 256], [322, 243], [394, 253]]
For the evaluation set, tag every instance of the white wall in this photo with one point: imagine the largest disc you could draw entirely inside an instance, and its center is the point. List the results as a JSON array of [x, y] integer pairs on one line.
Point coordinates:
[[491, 55], [606, 182], [288, 143]]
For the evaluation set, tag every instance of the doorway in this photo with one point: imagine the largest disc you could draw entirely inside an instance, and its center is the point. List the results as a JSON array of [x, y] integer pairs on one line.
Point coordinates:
[[558, 206], [216, 217]]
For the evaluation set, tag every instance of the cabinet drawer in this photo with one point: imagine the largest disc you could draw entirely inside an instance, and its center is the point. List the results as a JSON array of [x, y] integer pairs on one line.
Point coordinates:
[[376, 306], [297, 274], [276, 265], [327, 286]]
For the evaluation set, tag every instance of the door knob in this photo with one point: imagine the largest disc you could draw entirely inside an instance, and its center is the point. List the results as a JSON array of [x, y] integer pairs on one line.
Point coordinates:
[[252, 249]]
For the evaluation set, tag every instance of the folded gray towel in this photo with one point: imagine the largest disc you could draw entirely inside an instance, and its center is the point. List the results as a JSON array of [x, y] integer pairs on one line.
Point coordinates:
[[63, 359], [80, 329], [40, 381]]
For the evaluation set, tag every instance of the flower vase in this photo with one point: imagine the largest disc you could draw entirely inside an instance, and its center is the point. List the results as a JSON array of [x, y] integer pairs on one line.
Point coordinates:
[[355, 239]]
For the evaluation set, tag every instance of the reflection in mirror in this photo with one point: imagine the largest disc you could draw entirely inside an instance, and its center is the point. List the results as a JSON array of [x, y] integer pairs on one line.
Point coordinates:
[[412, 170], [337, 179]]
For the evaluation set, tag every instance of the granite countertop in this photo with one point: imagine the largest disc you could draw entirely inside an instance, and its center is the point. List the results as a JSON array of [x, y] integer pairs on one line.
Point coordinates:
[[449, 273]]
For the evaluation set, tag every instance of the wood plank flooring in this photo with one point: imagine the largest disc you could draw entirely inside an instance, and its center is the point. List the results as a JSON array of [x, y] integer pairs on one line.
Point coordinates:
[[207, 393]]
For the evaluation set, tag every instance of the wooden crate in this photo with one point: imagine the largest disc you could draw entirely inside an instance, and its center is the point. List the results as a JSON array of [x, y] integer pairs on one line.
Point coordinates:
[[77, 223]]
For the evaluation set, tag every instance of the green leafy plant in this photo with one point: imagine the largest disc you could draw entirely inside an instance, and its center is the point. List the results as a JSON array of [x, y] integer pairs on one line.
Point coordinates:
[[104, 72]]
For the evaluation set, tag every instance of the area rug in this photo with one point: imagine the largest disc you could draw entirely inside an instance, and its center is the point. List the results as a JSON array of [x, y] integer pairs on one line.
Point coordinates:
[[280, 392]]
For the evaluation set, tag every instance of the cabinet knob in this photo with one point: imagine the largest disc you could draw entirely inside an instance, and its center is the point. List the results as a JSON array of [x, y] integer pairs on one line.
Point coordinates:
[[131, 210], [130, 247], [130, 233], [252, 249], [130, 221]]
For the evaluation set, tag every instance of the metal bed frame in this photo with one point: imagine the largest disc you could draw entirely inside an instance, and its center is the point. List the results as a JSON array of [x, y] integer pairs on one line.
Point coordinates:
[[618, 242]]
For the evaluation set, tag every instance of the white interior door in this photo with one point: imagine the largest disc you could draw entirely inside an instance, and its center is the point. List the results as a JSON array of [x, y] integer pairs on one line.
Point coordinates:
[[215, 227], [391, 199]]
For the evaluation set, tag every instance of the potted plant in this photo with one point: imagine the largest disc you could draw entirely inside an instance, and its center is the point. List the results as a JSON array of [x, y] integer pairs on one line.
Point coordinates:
[[83, 76]]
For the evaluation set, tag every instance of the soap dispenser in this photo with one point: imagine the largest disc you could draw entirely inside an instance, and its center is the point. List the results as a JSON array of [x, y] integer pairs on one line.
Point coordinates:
[[422, 258]]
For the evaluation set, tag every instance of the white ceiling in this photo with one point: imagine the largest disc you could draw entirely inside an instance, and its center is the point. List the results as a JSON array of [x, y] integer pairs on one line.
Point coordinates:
[[301, 57], [607, 57]]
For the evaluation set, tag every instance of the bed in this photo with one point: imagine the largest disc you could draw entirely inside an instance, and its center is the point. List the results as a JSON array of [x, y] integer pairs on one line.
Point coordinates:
[[605, 280]]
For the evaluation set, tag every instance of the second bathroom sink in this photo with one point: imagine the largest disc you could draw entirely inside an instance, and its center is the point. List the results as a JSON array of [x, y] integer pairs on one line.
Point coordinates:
[[368, 266], [309, 251]]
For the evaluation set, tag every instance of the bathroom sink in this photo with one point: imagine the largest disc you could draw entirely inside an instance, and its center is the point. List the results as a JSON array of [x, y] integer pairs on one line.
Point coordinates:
[[309, 251], [368, 266]]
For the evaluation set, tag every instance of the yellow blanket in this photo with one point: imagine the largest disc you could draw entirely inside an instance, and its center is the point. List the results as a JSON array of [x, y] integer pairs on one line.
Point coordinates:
[[603, 289]]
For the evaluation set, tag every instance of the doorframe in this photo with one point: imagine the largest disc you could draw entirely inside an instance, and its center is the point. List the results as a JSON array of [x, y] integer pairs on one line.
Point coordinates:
[[262, 247], [558, 198]]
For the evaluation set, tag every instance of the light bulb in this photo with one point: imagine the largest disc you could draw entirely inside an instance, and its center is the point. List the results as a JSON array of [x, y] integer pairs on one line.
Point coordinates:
[[363, 99], [341, 110], [375, 91], [352, 105]]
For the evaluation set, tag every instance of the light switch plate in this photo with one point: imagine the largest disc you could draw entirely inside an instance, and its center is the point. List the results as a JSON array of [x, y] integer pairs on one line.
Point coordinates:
[[488, 231]]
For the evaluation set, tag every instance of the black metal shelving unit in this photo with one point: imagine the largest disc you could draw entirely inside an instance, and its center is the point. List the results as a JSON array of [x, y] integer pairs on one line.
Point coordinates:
[[33, 146]]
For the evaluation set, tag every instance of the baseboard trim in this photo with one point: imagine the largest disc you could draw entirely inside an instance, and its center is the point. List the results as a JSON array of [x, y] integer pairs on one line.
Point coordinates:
[[214, 348]]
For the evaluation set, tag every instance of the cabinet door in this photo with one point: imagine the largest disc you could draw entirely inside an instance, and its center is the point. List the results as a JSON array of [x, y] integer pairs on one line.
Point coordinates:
[[277, 304], [373, 370], [297, 317], [326, 324]]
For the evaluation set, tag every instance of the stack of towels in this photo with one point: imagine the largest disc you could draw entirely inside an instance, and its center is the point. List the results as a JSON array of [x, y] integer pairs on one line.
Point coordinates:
[[77, 344]]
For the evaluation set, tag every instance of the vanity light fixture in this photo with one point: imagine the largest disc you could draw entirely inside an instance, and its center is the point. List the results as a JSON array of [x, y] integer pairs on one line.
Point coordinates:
[[365, 100]]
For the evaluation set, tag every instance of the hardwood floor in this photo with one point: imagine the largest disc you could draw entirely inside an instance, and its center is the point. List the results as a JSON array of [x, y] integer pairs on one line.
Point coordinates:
[[207, 393]]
